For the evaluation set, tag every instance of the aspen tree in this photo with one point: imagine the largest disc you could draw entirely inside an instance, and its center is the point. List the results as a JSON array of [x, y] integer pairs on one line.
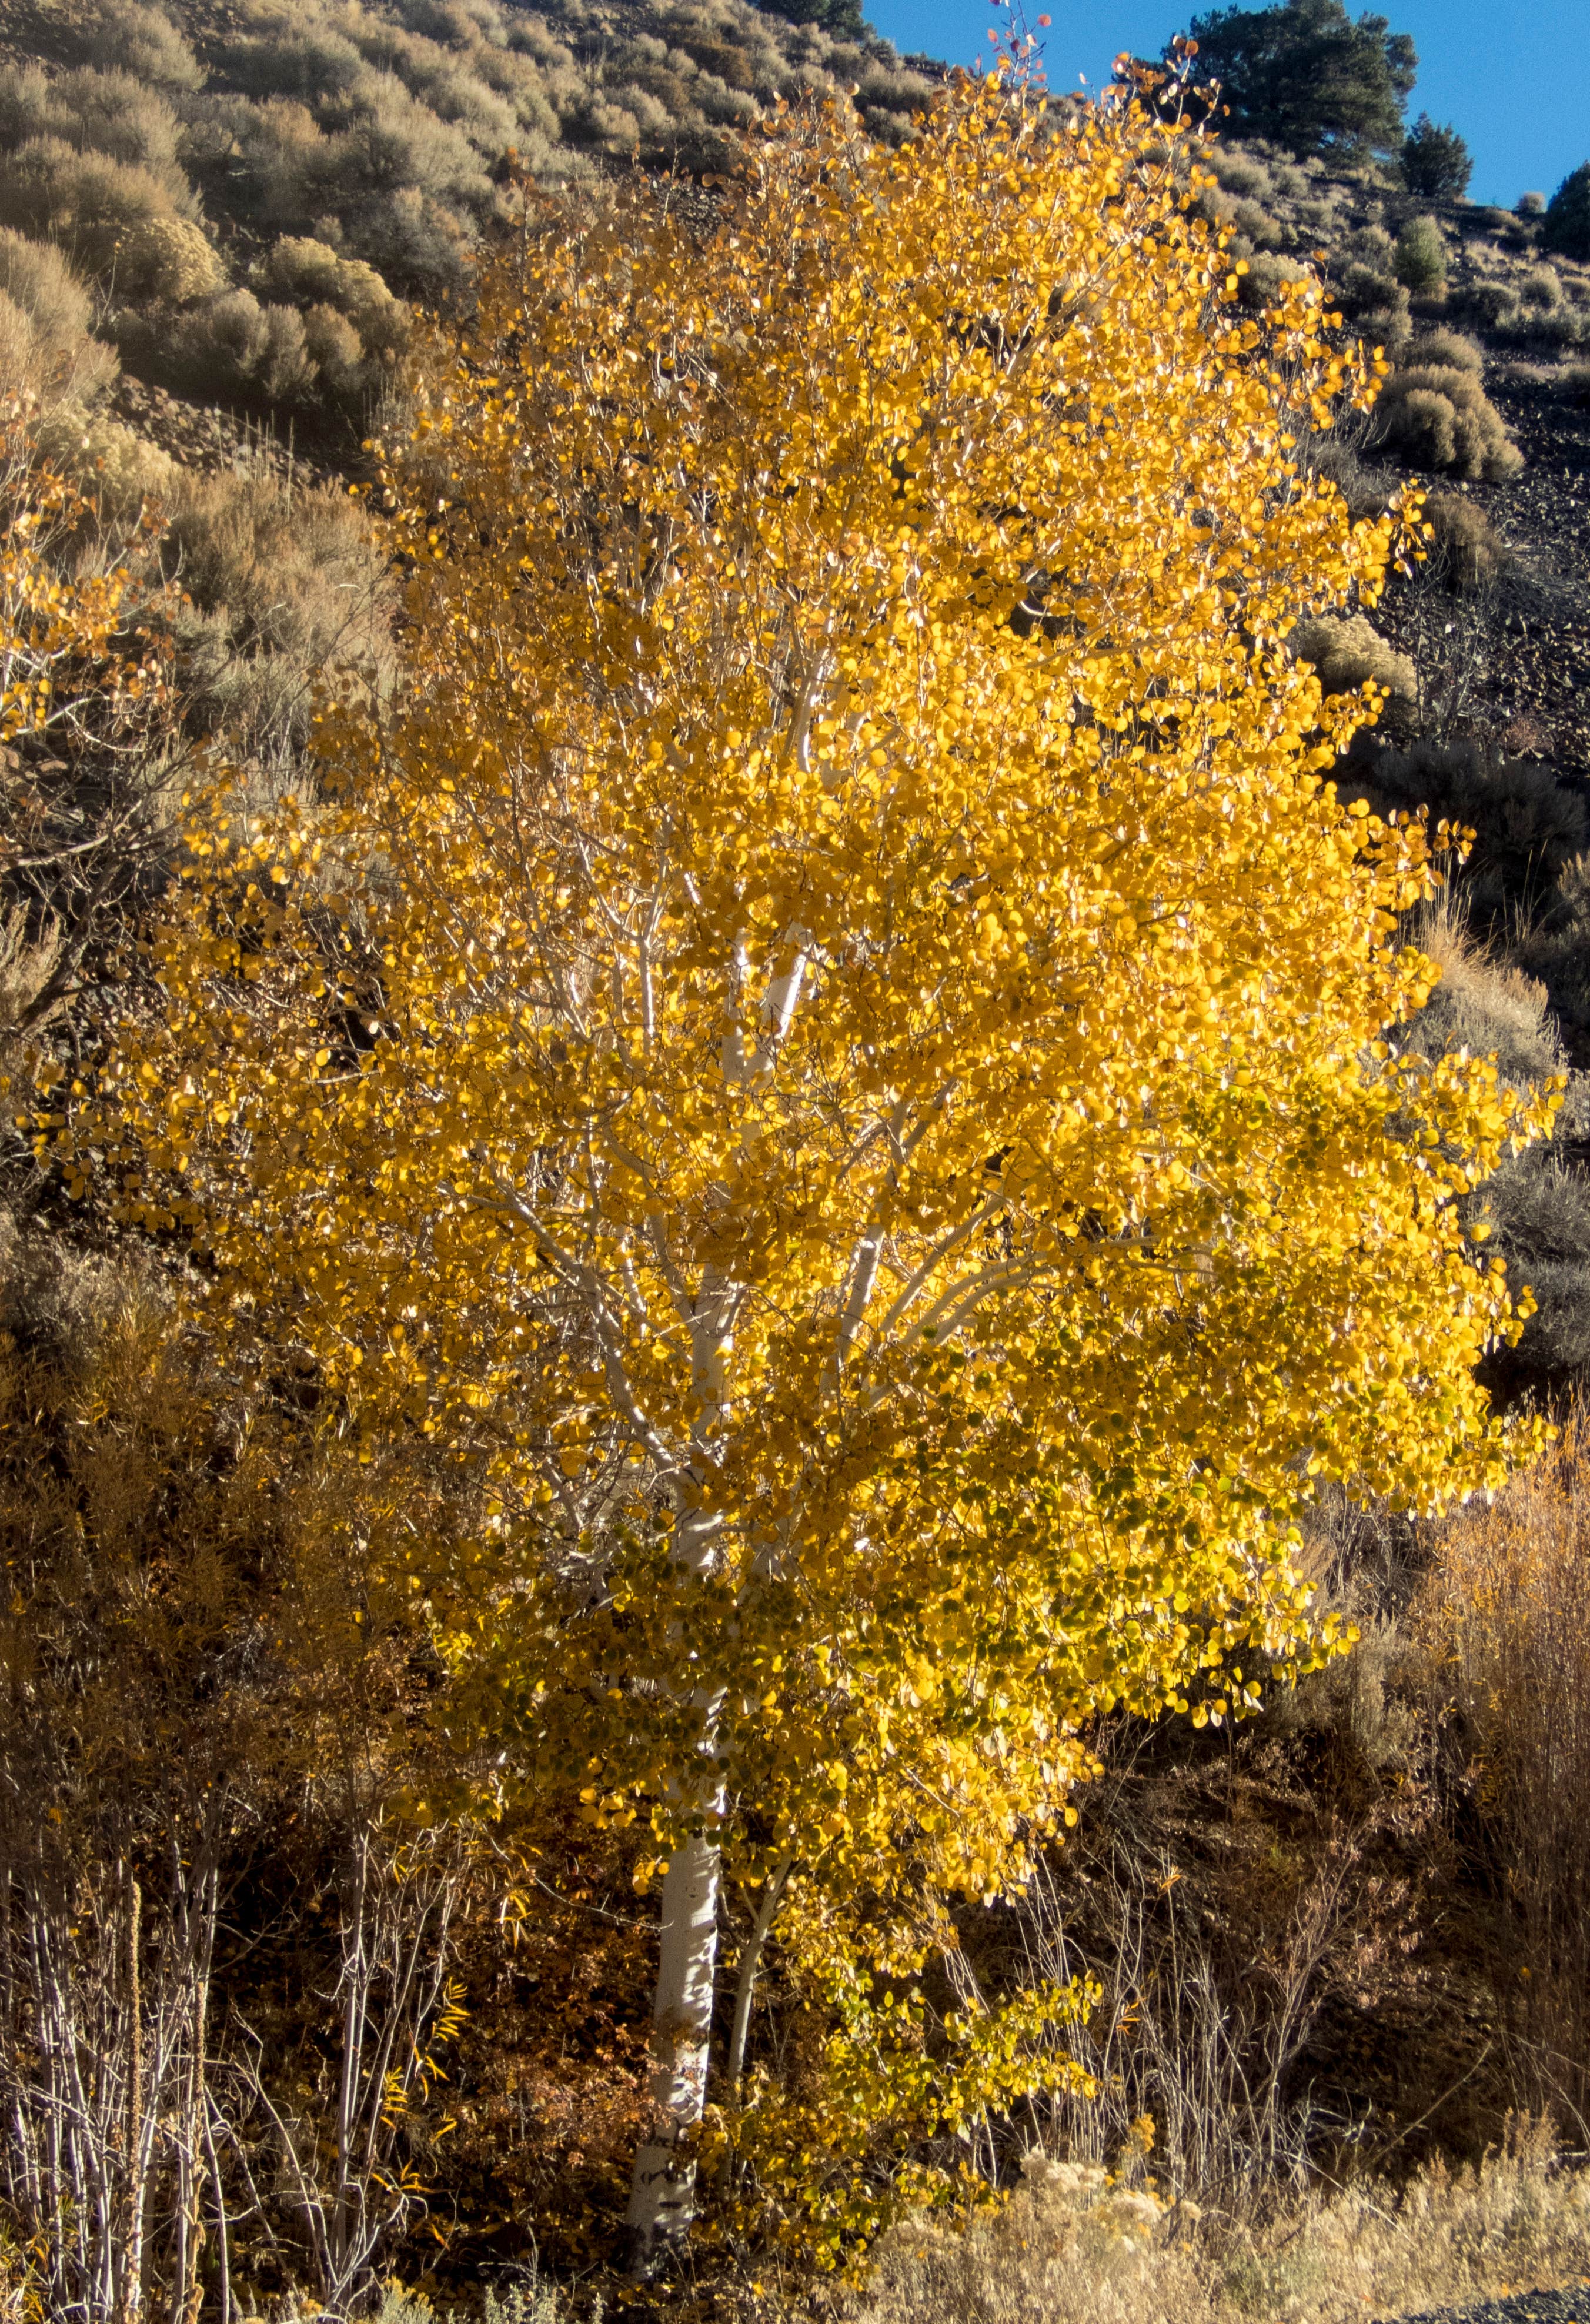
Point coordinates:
[[828, 1042]]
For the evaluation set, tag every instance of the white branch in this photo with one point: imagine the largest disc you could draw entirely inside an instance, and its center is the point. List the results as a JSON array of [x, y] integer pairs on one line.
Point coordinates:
[[589, 1284], [985, 1211]]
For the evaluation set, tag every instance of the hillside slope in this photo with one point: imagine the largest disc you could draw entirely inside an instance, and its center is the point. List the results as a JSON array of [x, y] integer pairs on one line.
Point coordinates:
[[251, 190]]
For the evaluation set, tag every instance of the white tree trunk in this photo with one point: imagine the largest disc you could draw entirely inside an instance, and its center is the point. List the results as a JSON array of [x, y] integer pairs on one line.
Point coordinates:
[[662, 2197], [662, 2194], [746, 1991]]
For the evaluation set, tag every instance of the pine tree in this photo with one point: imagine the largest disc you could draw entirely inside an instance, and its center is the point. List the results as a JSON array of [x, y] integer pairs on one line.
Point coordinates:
[[1436, 164], [1566, 226], [842, 18], [1307, 76]]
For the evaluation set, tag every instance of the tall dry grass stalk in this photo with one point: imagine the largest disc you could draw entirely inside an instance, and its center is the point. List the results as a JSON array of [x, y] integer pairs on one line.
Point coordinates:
[[1071, 2247], [1196, 2032], [1506, 1606]]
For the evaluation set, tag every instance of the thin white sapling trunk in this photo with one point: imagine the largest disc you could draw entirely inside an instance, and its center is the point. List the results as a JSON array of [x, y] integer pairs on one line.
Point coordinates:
[[662, 2193], [662, 2197]]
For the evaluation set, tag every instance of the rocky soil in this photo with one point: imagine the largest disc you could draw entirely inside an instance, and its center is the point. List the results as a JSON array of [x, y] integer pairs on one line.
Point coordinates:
[[1521, 2308], [210, 440], [1537, 684]]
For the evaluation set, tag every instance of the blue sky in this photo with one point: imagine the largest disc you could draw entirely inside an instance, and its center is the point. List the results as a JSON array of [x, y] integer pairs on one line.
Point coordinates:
[[1512, 75]]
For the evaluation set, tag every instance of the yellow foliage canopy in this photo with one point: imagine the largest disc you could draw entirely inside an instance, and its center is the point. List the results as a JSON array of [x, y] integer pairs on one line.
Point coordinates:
[[828, 1040]]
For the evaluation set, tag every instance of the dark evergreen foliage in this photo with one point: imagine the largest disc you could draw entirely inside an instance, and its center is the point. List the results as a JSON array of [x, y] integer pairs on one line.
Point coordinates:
[[1436, 161], [1306, 76], [1566, 226], [840, 17]]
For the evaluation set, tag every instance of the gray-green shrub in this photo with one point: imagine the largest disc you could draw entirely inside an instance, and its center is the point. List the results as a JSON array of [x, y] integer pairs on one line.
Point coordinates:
[[304, 272], [1363, 288], [115, 220], [1464, 552], [232, 345], [1267, 276], [1419, 261], [281, 583], [143, 41], [48, 347], [1449, 350], [109, 113], [1240, 171], [1494, 306], [1542, 286], [1437, 416]]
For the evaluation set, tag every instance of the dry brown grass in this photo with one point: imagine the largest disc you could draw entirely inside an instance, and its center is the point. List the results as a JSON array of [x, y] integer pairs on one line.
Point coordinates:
[[1348, 652], [1483, 1004], [1506, 1610], [1092, 2249]]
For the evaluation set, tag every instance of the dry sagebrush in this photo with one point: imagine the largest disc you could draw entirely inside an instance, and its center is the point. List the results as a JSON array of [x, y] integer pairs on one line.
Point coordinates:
[[1438, 416], [1073, 2244], [1506, 1606]]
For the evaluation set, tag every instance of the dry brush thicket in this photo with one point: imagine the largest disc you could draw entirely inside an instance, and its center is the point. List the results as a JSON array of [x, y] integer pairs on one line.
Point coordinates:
[[1331, 1962], [1103, 2249], [237, 1972]]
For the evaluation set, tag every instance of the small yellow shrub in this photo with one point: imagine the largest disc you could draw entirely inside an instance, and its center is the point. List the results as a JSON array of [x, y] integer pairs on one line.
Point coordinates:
[[174, 259]]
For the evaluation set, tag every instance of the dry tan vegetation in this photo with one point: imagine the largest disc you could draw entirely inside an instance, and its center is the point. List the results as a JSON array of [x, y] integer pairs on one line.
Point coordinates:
[[1438, 416], [1535, 1209], [1099, 2250], [1464, 550], [1505, 1611], [1348, 652], [1483, 1004], [46, 350], [281, 584]]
